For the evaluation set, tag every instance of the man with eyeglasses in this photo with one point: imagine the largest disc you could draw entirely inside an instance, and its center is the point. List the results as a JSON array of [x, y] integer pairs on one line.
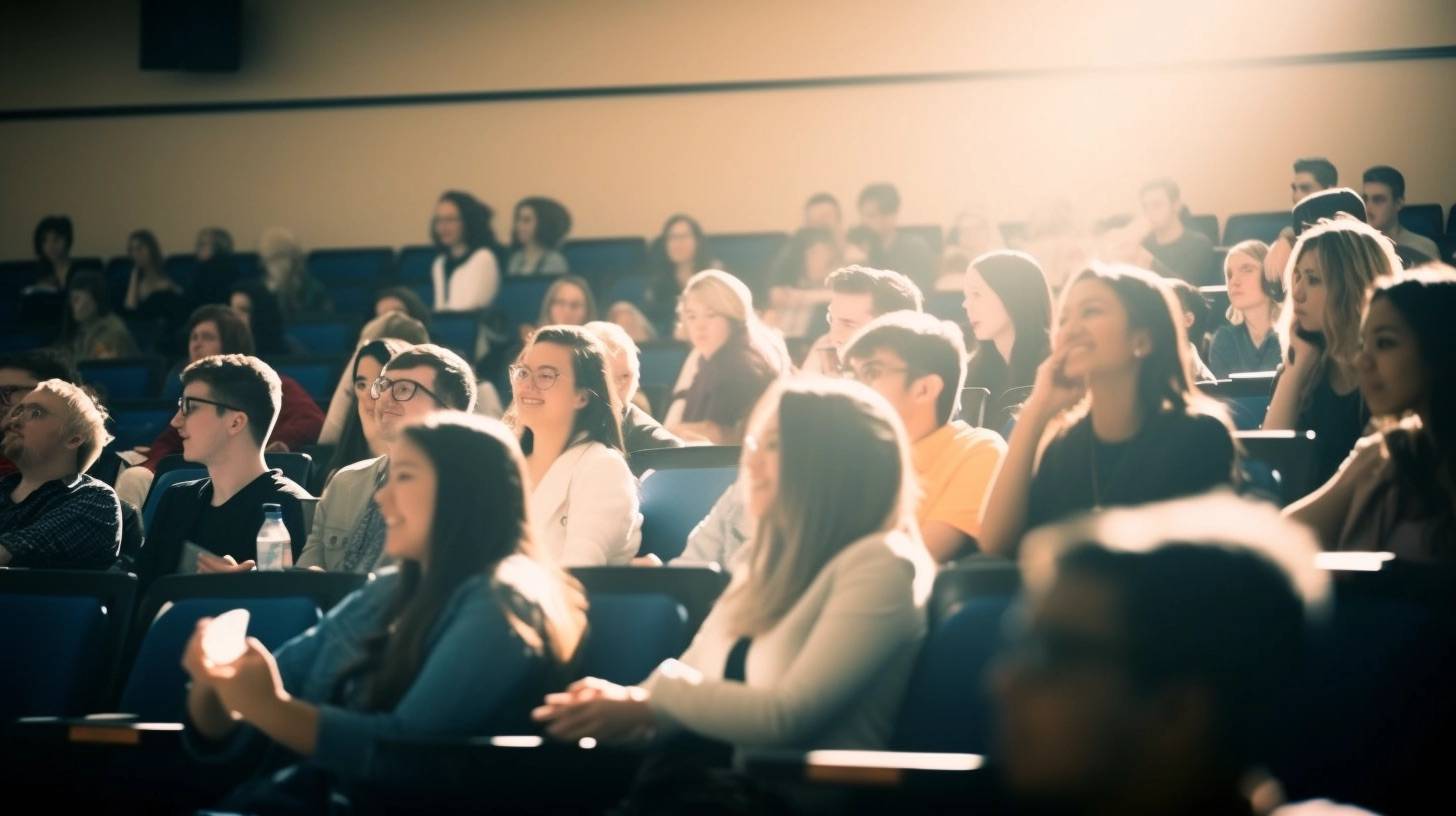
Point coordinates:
[[857, 295], [52, 515], [348, 531], [228, 407]]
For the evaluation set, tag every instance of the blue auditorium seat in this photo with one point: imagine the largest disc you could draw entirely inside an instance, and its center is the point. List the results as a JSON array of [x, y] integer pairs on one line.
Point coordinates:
[[456, 330], [674, 501], [603, 259], [160, 485], [661, 361], [1206, 224], [520, 298], [1424, 219], [364, 266], [326, 336], [631, 288], [139, 424], [748, 254], [629, 635], [317, 376], [1263, 226], [414, 264], [354, 301], [124, 379]]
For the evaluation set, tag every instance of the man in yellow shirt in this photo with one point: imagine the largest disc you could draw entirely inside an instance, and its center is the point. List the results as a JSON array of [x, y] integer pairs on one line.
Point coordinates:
[[918, 363]]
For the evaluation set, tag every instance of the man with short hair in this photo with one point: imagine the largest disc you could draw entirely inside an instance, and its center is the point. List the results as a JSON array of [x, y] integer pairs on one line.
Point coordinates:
[[1176, 250], [52, 515], [1147, 671], [1384, 198], [348, 531], [879, 210], [857, 295], [917, 362], [1312, 174], [228, 407], [19, 374]]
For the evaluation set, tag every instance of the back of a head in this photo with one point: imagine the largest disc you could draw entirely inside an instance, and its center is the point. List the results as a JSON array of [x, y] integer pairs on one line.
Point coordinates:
[[1018, 280], [889, 290], [1322, 169], [1191, 301], [1327, 204], [42, 364], [245, 382], [454, 378], [235, 335], [1213, 591], [927, 345]]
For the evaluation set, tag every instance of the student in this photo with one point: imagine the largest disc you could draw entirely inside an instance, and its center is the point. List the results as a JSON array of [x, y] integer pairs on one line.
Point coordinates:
[[228, 406], [259, 308], [1384, 196], [821, 215], [19, 375], [639, 430], [348, 530], [391, 325], [1193, 310], [53, 516], [1140, 431], [217, 270], [800, 289], [285, 273], [857, 295], [1181, 252], [404, 300], [1249, 341], [1396, 491], [471, 628], [360, 438], [679, 252], [568, 302], [879, 209], [43, 301], [812, 644], [91, 331], [540, 225], [583, 496], [734, 359], [917, 363], [151, 294], [1331, 272], [1311, 175], [1009, 307], [1147, 671], [466, 272]]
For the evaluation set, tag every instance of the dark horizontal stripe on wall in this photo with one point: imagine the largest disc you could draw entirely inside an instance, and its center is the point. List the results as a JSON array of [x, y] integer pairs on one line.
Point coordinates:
[[664, 89]]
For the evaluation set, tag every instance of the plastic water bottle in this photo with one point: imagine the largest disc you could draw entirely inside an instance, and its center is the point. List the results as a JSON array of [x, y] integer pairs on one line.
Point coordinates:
[[275, 547]]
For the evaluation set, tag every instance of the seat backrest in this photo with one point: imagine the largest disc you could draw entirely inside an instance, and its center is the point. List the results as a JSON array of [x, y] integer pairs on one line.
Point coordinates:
[[602, 259], [455, 330], [1422, 218], [973, 405], [696, 588], [51, 644], [140, 424], [160, 485], [674, 501], [660, 362], [1206, 223], [931, 234], [946, 705], [1264, 226], [1278, 465], [155, 689], [415, 263], [350, 267], [129, 379], [748, 254], [520, 299], [325, 336], [630, 634], [317, 376]]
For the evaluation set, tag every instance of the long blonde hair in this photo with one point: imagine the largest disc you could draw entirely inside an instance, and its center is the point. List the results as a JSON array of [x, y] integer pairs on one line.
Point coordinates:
[[730, 297], [844, 473]]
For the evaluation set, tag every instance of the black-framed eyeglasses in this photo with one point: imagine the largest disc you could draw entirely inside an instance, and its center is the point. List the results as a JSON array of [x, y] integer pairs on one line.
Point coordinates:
[[542, 378], [400, 390], [186, 405], [870, 371], [8, 393]]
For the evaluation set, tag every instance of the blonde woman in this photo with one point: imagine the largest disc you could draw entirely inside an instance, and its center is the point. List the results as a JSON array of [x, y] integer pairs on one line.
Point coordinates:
[[286, 274], [813, 642], [1331, 271], [1249, 342], [734, 359]]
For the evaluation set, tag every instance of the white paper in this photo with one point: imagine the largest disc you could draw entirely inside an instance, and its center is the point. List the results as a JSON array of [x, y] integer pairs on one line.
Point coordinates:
[[226, 637]]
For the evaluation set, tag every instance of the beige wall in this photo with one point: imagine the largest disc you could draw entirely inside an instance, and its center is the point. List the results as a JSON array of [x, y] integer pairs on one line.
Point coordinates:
[[740, 161]]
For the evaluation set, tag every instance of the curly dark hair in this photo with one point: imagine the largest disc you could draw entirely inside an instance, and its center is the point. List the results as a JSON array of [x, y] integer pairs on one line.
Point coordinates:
[[553, 221]]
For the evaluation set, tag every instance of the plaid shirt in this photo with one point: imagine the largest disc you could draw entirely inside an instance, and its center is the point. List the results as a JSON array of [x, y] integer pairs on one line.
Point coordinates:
[[62, 525]]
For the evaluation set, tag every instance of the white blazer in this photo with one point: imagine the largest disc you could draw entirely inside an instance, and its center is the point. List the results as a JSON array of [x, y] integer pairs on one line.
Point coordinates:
[[585, 508], [830, 674], [473, 285]]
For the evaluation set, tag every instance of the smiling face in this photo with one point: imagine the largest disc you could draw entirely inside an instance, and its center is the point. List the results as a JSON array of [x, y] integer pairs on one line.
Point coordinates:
[[546, 395], [1094, 326], [1393, 377], [407, 503], [393, 414], [1309, 293], [984, 308], [760, 463], [204, 341], [707, 330], [35, 430], [1244, 275]]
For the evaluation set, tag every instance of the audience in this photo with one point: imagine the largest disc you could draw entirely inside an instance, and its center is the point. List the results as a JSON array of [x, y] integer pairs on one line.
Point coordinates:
[[151, 294], [1384, 197], [1009, 307], [1113, 418], [1177, 251], [1147, 670], [568, 414], [540, 225], [91, 331], [796, 296], [973, 235], [821, 212], [1195, 313], [679, 252], [360, 438], [812, 644], [734, 359], [217, 270], [285, 273], [466, 272], [52, 515], [918, 363], [632, 321], [1396, 490], [857, 295], [1249, 341], [401, 299], [43, 301], [348, 530], [1311, 175], [1331, 272], [259, 308], [639, 430], [391, 325], [879, 209], [227, 409], [457, 641]]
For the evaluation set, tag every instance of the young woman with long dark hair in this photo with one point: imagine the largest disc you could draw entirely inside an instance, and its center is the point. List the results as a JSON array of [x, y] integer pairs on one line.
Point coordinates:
[[679, 252], [360, 438], [1009, 308], [539, 227], [471, 628]]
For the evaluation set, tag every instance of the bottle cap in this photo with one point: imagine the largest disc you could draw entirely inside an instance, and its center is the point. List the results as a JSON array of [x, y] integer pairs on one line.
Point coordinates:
[[270, 507]]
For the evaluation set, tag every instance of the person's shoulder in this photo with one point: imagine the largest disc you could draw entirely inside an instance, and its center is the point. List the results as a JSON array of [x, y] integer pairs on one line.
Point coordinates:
[[1197, 423], [482, 257], [1196, 238], [362, 466], [966, 438], [91, 486], [892, 555], [600, 458]]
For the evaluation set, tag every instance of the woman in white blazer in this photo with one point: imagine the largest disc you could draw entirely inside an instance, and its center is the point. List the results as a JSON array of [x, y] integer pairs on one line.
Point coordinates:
[[466, 273], [826, 612], [583, 495]]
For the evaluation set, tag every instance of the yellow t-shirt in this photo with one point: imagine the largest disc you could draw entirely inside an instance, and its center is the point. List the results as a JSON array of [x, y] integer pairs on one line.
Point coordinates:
[[955, 465]]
